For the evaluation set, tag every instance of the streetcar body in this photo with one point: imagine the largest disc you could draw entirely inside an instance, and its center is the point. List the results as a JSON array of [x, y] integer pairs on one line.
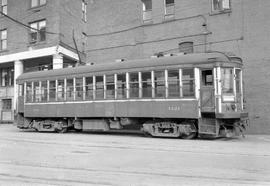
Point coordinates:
[[176, 96]]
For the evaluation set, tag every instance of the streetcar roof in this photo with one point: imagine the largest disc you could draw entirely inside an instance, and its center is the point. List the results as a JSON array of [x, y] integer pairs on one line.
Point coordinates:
[[198, 58]]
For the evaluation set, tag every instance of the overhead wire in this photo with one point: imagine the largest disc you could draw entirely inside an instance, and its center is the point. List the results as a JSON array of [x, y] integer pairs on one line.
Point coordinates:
[[25, 25]]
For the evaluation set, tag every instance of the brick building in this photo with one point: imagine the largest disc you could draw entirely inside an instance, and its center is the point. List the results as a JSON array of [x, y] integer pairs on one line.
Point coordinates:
[[129, 29], [49, 44], [132, 29]]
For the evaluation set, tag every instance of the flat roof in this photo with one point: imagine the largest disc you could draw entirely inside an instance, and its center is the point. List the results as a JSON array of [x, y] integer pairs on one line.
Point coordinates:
[[195, 58]]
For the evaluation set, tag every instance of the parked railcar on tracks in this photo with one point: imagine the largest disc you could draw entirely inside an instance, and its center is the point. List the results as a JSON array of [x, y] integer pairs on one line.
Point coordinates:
[[177, 96]]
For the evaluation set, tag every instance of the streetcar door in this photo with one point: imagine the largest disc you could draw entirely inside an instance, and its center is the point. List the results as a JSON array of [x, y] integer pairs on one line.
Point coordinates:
[[207, 92]]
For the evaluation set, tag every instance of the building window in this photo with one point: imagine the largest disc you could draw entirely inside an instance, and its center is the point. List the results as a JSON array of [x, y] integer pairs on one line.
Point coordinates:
[[3, 39], [147, 10], [169, 8], [186, 47], [221, 5], [35, 3], [6, 104], [4, 7], [84, 10], [7, 76], [38, 31]]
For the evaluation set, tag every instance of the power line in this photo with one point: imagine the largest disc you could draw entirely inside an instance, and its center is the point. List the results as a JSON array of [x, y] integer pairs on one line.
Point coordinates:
[[26, 26], [156, 15]]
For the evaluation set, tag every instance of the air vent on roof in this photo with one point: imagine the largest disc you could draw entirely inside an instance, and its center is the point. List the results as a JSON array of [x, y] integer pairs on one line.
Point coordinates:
[[167, 55], [119, 60]]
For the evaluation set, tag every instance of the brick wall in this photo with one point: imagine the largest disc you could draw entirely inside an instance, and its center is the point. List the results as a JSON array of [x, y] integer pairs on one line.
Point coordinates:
[[243, 31]]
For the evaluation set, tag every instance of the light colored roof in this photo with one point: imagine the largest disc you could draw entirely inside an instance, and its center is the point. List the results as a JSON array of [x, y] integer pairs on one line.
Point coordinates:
[[197, 58]]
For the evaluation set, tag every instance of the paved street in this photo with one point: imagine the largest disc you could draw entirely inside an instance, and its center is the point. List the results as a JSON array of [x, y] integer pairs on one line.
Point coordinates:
[[31, 158]]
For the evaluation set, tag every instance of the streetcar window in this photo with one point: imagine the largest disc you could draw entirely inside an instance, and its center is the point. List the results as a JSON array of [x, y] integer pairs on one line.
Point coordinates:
[[238, 80], [207, 78], [134, 85], [227, 80], [29, 92], [99, 87], [36, 95], [146, 85], [61, 90], [188, 85], [52, 90], [44, 91], [173, 84], [121, 86], [159, 84], [79, 89], [110, 93], [21, 90], [89, 88], [70, 90]]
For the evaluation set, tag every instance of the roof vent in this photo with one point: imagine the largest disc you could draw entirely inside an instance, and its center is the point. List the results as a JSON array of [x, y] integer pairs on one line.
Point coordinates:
[[119, 60], [168, 55]]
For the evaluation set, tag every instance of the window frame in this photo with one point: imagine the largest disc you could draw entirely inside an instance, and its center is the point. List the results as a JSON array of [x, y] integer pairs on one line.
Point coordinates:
[[4, 6], [39, 31], [110, 84], [3, 39], [7, 80], [99, 87], [38, 3], [220, 9], [167, 6], [186, 47], [190, 79], [135, 85], [122, 85], [89, 88], [178, 82], [146, 12], [159, 83], [6, 104], [84, 10]]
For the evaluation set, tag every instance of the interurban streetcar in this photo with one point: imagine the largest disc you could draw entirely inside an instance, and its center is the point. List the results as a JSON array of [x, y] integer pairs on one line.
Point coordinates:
[[176, 96]]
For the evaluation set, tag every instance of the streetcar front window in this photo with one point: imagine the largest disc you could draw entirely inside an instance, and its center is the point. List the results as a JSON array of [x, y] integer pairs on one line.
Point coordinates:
[[238, 81], [227, 81], [21, 89]]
